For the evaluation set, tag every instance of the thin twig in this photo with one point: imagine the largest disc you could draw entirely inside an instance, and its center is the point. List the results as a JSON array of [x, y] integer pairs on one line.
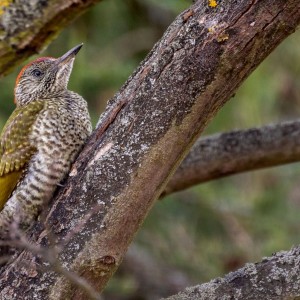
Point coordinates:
[[49, 255]]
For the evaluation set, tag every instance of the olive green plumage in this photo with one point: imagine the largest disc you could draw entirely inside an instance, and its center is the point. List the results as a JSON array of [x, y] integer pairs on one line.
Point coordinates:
[[40, 139], [15, 149]]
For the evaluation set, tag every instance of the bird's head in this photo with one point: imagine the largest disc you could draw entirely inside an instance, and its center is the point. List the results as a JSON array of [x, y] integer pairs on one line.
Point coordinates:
[[44, 77]]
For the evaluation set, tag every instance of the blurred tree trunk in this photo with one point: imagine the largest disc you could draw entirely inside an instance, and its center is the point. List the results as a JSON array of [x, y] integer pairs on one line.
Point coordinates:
[[147, 129], [28, 26]]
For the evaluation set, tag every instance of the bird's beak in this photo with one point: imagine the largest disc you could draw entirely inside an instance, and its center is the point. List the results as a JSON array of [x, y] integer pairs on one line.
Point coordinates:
[[67, 57]]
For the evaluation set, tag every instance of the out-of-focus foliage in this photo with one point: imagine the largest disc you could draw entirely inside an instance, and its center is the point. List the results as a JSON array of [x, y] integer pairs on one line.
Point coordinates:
[[216, 227]]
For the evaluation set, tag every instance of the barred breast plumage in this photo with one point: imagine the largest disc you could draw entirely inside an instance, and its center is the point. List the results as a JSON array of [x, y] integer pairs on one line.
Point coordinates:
[[41, 139]]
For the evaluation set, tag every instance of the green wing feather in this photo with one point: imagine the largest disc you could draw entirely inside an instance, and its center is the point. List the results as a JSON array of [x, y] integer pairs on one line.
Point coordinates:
[[15, 149]]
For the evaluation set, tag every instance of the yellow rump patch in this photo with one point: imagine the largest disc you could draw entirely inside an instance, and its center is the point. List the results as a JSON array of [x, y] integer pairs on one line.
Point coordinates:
[[7, 184]]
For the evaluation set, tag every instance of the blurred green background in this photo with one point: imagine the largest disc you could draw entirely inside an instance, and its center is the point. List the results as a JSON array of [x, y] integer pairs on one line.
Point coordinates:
[[213, 228]]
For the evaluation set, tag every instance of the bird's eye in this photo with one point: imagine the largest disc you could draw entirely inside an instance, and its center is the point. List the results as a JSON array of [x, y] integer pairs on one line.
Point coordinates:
[[37, 73]]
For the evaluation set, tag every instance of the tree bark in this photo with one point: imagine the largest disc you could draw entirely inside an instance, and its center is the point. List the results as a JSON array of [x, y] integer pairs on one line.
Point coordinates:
[[274, 278], [155, 118], [237, 151], [27, 27]]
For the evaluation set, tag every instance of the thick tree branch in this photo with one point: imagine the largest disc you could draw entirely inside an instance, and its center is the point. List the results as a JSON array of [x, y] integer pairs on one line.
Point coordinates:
[[274, 278], [26, 27], [238, 151], [196, 67]]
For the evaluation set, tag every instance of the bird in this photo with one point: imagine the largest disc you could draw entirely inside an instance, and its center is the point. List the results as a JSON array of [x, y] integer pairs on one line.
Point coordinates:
[[41, 138]]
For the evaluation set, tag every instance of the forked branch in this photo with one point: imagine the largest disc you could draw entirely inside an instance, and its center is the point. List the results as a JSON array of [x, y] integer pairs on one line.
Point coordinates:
[[203, 57]]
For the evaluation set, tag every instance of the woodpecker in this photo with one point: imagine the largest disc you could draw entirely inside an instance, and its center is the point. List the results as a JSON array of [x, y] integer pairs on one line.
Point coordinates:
[[41, 138]]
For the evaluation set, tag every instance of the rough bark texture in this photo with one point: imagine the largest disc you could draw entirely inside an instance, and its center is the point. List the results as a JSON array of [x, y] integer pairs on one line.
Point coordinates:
[[196, 67], [27, 27], [274, 278], [237, 151]]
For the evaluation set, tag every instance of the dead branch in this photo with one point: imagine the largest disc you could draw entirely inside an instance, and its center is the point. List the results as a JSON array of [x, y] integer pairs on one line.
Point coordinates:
[[27, 27], [274, 278], [237, 151]]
